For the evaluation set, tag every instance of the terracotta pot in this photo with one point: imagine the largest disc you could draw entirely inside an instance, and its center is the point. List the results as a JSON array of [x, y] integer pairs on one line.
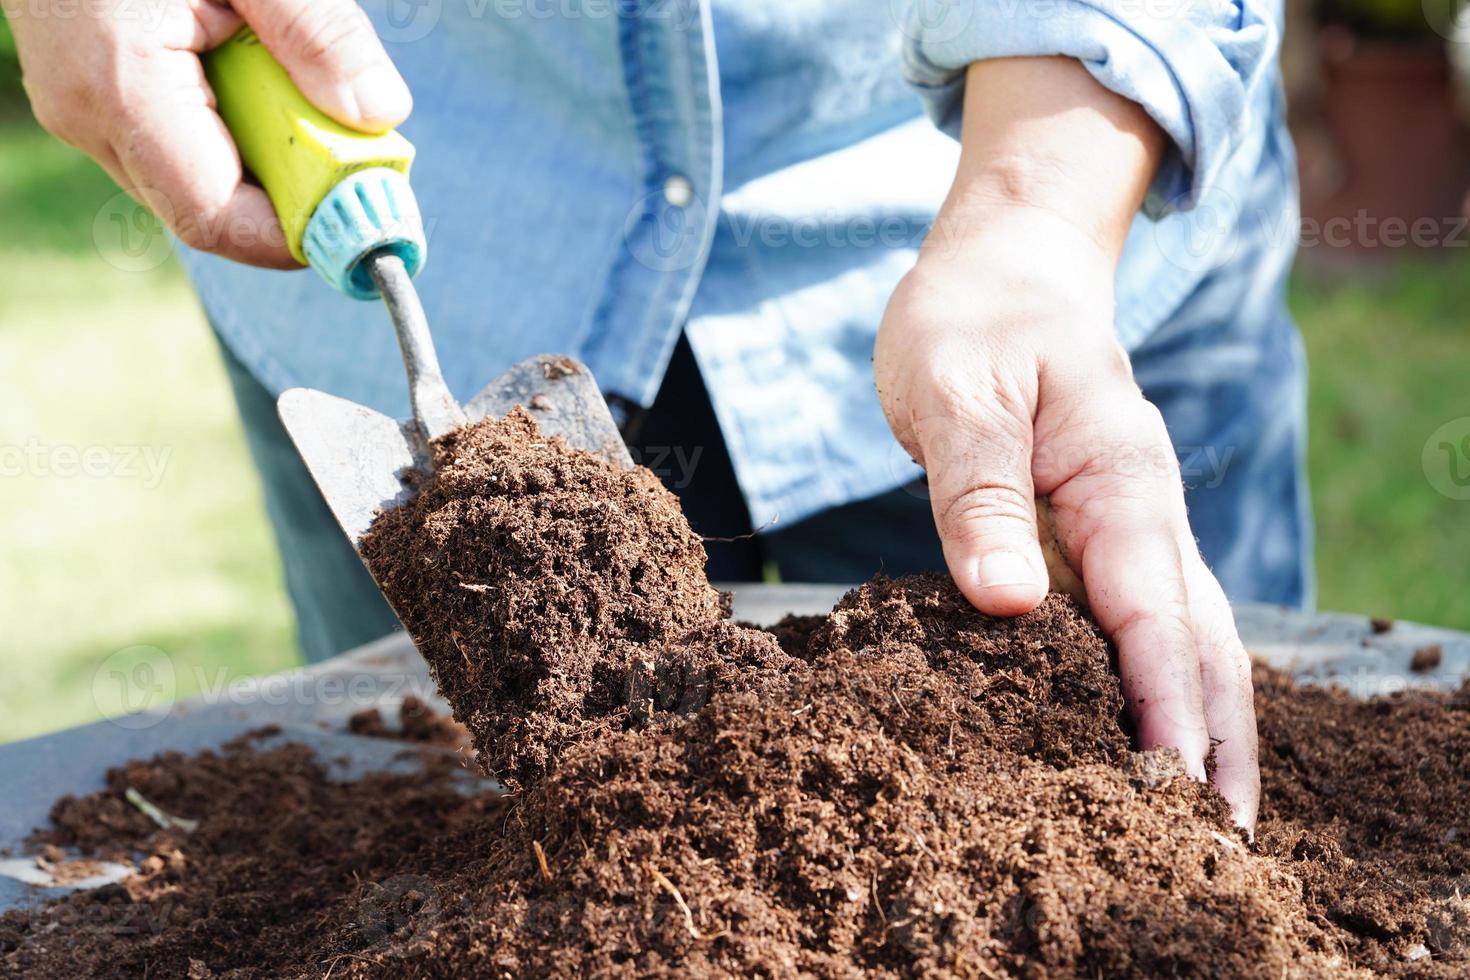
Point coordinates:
[[1400, 149]]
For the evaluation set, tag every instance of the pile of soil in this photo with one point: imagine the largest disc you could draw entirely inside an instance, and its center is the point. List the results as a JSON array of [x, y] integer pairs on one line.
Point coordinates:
[[904, 787]]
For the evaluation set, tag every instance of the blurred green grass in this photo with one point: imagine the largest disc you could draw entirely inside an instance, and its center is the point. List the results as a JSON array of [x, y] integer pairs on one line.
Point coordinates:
[[1390, 363], [93, 355], [98, 360]]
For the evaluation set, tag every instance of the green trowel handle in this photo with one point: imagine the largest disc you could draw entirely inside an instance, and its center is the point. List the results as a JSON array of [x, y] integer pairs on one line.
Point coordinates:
[[295, 150]]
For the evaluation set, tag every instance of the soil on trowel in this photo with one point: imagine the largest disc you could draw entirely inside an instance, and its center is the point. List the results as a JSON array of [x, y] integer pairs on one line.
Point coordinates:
[[533, 578], [906, 787]]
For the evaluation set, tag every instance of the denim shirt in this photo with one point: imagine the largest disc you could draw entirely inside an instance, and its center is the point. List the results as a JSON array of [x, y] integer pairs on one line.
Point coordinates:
[[596, 175]]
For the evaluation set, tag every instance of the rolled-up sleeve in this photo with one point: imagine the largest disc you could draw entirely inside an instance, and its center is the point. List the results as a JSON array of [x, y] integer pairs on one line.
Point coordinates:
[[1191, 64]]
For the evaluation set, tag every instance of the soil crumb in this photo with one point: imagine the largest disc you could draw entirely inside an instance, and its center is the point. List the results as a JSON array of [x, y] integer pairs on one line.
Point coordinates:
[[903, 788], [65, 870], [417, 722], [1426, 658]]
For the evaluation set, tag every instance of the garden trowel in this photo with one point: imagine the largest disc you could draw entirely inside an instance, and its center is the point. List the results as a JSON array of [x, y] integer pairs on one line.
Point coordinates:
[[345, 205]]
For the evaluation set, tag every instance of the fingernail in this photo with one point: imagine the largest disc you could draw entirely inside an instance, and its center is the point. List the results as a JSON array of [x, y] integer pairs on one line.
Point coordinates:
[[382, 96], [1003, 568]]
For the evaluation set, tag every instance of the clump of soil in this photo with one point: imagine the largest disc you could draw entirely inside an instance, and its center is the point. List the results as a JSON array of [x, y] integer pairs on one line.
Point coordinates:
[[417, 722], [904, 788], [1038, 686], [64, 870], [1426, 658], [533, 578]]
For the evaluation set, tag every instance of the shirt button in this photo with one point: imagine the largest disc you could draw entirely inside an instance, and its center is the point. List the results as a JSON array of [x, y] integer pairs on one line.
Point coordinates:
[[678, 191]]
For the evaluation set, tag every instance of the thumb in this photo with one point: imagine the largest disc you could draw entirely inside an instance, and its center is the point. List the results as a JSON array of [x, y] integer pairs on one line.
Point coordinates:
[[331, 52], [980, 487]]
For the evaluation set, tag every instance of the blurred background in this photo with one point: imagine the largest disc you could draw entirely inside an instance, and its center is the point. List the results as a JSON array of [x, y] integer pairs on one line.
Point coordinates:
[[130, 516]]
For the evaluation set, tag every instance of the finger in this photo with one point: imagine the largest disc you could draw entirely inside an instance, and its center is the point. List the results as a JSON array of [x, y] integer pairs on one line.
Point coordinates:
[[1229, 698], [1118, 503], [196, 26], [1135, 585], [332, 53], [180, 160], [979, 468]]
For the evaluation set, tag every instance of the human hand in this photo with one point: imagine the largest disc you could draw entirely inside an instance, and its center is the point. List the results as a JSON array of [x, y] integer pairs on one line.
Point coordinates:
[[124, 84], [997, 366], [998, 370]]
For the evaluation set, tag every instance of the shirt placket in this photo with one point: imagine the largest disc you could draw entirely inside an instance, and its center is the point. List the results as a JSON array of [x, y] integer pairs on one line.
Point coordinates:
[[672, 79]]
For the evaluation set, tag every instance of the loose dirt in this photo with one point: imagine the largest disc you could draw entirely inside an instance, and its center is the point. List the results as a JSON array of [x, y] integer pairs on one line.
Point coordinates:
[[417, 722], [1426, 658], [906, 787]]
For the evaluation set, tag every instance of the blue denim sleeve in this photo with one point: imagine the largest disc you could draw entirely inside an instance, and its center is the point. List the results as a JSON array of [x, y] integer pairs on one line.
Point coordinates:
[[1192, 64]]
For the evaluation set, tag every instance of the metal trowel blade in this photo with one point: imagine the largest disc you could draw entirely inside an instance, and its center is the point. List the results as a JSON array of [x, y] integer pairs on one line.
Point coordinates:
[[361, 459]]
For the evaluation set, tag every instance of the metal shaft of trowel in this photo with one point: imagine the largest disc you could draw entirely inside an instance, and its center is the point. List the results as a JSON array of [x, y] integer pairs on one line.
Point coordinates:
[[434, 407]]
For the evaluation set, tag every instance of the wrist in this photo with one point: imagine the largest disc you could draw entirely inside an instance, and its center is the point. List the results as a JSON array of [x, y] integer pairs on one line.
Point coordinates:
[[1020, 257], [1027, 195], [1043, 135]]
